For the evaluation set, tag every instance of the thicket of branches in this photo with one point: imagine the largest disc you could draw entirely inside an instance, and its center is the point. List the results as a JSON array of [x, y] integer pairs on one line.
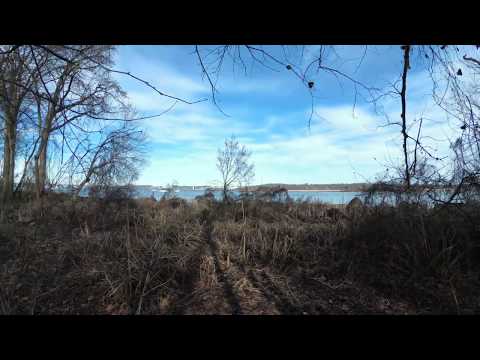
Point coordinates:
[[454, 73], [65, 120]]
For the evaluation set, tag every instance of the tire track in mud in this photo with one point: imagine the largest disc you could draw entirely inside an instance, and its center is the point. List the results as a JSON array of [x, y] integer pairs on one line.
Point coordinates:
[[195, 297], [272, 295], [249, 291], [189, 279], [228, 290]]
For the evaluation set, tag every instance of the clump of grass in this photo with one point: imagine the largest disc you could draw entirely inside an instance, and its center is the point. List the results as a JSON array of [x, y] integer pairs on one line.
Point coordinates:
[[414, 251], [279, 244], [111, 256]]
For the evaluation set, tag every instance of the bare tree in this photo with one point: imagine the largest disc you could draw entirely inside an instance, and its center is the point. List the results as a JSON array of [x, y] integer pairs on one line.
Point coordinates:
[[465, 104], [233, 164], [403, 95], [171, 190], [70, 91], [15, 82], [115, 160], [419, 167], [75, 91], [454, 72]]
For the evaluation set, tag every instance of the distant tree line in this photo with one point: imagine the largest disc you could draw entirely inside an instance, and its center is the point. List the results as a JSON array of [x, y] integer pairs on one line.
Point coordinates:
[[353, 187]]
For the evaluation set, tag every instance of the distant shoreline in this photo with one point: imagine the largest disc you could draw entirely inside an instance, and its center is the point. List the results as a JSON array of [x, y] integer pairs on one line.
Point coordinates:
[[324, 190], [296, 190]]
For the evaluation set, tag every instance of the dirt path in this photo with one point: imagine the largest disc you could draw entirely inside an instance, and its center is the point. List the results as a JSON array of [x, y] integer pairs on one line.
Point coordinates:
[[208, 289], [225, 282], [242, 289]]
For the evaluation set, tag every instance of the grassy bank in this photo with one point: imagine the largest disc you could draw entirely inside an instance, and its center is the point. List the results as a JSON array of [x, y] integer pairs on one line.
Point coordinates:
[[124, 256]]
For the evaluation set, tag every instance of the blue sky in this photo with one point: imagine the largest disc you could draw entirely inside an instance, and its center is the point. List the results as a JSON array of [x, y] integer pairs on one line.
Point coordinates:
[[269, 111]]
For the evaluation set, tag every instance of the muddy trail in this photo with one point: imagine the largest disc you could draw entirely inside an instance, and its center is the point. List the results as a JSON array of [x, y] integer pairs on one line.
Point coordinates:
[[232, 287]]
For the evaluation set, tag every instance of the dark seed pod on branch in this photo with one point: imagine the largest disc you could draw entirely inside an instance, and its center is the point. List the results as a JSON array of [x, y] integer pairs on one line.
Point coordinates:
[[289, 67], [310, 84], [459, 72]]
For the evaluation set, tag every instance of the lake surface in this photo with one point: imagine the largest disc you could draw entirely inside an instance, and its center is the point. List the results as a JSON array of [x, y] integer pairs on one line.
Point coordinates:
[[332, 197]]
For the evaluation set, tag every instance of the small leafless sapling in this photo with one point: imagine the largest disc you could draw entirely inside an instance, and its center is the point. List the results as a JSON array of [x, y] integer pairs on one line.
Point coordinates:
[[234, 166]]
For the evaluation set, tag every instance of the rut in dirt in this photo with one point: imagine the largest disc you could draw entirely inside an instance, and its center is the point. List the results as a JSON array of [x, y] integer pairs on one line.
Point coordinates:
[[230, 296]]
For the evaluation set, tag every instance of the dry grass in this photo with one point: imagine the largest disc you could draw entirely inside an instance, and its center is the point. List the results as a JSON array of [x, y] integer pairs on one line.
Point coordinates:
[[142, 256]]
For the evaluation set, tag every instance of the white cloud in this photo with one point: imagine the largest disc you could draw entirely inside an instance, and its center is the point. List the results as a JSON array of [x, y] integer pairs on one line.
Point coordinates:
[[338, 148], [192, 169], [292, 157], [195, 124], [345, 118]]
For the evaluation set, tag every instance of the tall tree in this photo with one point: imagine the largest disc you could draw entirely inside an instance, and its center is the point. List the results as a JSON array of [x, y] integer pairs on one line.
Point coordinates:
[[78, 89], [16, 79], [403, 96]]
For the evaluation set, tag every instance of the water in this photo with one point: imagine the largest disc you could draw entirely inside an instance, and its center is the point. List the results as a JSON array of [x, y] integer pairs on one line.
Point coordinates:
[[331, 197]]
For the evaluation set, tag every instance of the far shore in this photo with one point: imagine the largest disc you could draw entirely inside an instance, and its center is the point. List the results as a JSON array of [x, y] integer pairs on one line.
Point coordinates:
[[322, 191], [309, 190]]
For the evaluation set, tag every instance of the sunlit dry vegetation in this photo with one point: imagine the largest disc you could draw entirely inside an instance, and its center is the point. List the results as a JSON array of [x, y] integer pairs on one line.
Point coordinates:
[[142, 256], [410, 246]]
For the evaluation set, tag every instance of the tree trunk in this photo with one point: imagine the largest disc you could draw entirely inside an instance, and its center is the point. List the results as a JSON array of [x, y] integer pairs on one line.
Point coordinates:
[[41, 165], [45, 130], [9, 157], [225, 192], [403, 94]]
